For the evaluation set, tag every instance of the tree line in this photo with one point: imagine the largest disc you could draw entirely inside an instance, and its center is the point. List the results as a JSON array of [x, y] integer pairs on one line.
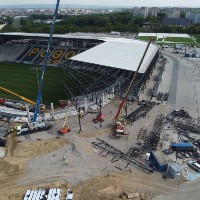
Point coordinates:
[[119, 21]]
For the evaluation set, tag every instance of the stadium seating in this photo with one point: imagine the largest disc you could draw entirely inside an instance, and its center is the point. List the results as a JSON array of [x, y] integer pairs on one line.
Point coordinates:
[[8, 53], [57, 56]]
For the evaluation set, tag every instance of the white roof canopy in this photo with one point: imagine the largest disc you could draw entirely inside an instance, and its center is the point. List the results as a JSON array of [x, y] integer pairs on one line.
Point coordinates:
[[119, 53]]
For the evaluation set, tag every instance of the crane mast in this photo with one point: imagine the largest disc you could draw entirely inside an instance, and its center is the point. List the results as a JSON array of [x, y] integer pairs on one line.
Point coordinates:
[[45, 63], [131, 83]]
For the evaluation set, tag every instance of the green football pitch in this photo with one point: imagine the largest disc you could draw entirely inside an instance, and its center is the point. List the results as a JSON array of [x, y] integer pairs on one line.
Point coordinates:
[[22, 79], [168, 40]]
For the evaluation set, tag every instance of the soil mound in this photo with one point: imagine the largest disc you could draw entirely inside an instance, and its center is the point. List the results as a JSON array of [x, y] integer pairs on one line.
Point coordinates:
[[36, 148]]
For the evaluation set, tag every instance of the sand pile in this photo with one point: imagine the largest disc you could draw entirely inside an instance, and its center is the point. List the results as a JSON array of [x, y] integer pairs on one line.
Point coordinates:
[[17, 155], [12, 165], [110, 192], [110, 187], [31, 149]]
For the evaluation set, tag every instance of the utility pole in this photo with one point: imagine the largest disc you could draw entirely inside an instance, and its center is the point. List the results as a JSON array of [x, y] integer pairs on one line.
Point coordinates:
[[185, 50], [100, 114], [126, 108], [79, 120]]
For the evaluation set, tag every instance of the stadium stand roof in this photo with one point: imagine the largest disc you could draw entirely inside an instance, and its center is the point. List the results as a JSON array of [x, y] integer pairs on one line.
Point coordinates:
[[176, 21], [61, 36], [119, 53]]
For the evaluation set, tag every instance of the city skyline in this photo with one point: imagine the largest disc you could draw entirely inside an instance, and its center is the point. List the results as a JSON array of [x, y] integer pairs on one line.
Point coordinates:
[[124, 3]]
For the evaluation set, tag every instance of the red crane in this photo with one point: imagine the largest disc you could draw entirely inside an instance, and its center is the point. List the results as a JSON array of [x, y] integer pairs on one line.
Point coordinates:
[[120, 123]]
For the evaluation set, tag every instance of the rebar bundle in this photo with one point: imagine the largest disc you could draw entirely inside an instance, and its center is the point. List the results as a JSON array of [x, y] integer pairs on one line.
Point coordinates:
[[151, 141], [108, 149], [144, 108]]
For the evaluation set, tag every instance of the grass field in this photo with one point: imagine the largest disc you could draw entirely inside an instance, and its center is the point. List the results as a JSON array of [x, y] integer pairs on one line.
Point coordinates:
[[197, 36], [179, 39], [168, 40], [145, 38], [19, 78]]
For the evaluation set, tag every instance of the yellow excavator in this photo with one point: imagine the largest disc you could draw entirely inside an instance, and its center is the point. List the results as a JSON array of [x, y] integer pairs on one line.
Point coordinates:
[[41, 108]]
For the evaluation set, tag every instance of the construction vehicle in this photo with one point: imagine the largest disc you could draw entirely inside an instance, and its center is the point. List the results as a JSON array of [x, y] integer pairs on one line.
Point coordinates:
[[118, 122], [10, 104], [64, 129], [2, 101], [32, 128], [38, 99], [99, 118]]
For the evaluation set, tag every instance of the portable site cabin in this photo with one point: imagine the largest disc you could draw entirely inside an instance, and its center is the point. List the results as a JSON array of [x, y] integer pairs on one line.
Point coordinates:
[[174, 170], [159, 161], [183, 146]]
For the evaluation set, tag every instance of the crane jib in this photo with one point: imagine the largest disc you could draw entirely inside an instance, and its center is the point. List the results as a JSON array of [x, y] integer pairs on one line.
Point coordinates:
[[131, 83], [45, 62]]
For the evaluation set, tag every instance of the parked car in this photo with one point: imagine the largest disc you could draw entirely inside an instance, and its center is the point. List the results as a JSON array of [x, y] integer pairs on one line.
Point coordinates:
[[194, 165]]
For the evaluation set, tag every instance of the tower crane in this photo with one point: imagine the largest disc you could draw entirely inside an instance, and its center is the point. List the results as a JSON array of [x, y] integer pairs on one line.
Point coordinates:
[[120, 123]]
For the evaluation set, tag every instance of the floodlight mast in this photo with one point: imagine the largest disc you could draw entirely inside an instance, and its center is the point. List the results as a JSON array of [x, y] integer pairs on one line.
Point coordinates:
[[45, 62]]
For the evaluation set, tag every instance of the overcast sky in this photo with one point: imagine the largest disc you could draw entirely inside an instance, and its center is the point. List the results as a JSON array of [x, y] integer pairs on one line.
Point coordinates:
[[157, 3]]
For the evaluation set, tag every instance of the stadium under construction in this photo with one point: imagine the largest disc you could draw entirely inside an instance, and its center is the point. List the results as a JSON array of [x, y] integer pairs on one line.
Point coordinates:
[[98, 67], [99, 73]]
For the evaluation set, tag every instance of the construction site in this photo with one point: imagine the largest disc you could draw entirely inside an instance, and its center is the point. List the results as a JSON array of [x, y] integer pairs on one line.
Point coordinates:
[[127, 129]]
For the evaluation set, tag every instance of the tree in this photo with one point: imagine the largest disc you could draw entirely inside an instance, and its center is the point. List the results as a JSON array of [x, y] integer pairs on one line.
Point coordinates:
[[9, 28], [139, 21], [9, 20], [182, 15], [160, 16], [108, 27]]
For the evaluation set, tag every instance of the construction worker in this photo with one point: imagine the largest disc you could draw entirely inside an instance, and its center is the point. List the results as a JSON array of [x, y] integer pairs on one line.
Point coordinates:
[[64, 158], [66, 162]]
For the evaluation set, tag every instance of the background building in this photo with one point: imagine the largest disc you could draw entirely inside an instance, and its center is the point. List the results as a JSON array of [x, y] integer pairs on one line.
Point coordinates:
[[195, 17], [173, 14], [146, 11]]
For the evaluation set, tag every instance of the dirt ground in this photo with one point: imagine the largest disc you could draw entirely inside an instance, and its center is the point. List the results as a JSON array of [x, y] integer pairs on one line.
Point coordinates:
[[109, 186], [12, 167], [36, 161]]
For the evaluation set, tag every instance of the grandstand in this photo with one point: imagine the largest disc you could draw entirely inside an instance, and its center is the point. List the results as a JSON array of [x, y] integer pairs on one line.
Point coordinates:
[[97, 66], [8, 52]]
